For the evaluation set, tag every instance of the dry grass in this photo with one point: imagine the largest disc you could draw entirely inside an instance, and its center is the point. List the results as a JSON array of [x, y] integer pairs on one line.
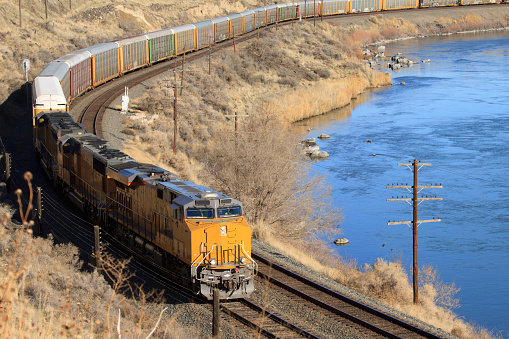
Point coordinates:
[[45, 293], [294, 73], [87, 24], [387, 282]]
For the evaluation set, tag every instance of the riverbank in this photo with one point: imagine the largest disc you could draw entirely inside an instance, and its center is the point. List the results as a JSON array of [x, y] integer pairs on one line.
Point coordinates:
[[202, 124]]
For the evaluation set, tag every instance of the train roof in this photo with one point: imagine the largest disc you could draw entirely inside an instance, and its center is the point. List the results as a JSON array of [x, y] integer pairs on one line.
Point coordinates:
[[61, 122], [220, 19], [57, 69], [160, 33], [183, 28], [99, 147], [127, 41], [258, 9], [48, 93], [234, 16], [205, 23], [132, 171], [76, 57], [247, 12], [101, 48]]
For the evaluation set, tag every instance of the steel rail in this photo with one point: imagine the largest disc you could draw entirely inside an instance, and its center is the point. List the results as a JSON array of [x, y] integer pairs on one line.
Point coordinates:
[[264, 314], [170, 278], [335, 295], [91, 117]]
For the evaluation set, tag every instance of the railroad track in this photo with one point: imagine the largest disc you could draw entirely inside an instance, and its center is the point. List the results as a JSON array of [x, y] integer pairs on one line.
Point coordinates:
[[91, 117], [244, 311], [339, 307], [263, 321]]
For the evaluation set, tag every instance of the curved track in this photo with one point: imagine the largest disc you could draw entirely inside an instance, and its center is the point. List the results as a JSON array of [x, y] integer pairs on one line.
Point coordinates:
[[91, 117], [343, 309], [340, 307], [243, 310], [263, 321]]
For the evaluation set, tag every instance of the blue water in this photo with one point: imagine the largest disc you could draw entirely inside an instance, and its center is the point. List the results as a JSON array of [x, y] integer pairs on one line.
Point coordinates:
[[453, 113]]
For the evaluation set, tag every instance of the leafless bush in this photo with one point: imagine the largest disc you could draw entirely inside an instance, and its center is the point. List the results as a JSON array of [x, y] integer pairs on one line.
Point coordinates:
[[261, 167], [44, 293], [440, 293]]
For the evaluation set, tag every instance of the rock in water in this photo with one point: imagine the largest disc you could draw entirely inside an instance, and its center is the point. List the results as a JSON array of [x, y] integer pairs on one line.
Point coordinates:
[[341, 241], [319, 154]]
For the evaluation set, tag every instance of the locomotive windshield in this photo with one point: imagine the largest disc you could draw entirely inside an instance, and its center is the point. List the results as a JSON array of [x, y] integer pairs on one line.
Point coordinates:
[[231, 211], [201, 213]]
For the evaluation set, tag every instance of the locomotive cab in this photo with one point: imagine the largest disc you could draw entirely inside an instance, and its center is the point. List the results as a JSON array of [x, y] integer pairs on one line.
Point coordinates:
[[221, 245]]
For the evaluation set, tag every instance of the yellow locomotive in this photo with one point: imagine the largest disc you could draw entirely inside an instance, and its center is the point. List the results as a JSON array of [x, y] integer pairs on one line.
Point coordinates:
[[199, 235]]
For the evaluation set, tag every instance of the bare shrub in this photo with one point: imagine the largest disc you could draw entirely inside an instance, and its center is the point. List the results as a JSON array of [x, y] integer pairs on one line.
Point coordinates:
[[262, 168], [44, 294], [440, 293], [391, 33]]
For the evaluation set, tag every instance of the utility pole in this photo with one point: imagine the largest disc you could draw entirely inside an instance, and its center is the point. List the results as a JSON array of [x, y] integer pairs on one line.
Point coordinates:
[[38, 210], [258, 30], [210, 57], [415, 189], [182, 80], [97, 249], [215, 314], [175, 119], [234, 49], [314, 13], [20, 24], [236, 116]]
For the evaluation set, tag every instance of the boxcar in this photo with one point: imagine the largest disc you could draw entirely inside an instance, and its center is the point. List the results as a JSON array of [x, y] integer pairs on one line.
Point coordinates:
[[359, 6], [184, 38], [271, 14], [400, 4], [61, 71], [81, 71], [437, 3], [260, 17], [249, 20], [133, 52], [161, 45], [309, 8], [236, 24], [221, 28], [478, 2], [204, 33], [330, 7], [48, 95], [287, 11], [105, 62]]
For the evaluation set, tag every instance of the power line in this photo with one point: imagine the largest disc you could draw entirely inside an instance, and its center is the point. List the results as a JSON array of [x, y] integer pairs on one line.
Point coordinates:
[[415, 189]]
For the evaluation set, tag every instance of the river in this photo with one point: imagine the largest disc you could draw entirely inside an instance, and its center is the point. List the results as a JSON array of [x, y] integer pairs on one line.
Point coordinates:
[[453, 113]]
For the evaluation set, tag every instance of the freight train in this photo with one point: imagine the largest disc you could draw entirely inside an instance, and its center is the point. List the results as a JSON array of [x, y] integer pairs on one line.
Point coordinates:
[[75, 73], [198, 234]]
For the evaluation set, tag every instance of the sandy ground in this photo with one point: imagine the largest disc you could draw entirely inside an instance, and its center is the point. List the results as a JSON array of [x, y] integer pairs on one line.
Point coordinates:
[[423, 17]]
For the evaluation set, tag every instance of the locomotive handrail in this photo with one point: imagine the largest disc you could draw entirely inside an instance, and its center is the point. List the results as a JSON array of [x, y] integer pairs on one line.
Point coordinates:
[[205, 256], [255, 264]]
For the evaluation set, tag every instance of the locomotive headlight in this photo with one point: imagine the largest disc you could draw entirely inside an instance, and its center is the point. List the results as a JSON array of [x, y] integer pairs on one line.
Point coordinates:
[[213, 262], [243, 260]]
